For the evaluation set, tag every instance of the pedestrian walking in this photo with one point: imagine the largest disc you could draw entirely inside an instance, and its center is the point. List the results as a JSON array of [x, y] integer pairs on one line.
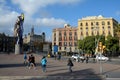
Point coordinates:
[[32, 62], [25, 58], [70, 64], [87, 58], [59, 56], [44, 63]]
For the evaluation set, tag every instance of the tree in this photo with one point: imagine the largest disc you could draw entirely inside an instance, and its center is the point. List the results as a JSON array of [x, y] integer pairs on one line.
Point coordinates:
[[117, 33], [87, 44], [112, 44]]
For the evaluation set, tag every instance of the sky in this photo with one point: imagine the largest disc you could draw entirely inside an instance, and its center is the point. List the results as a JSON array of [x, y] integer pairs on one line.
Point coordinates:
[[45, 15]]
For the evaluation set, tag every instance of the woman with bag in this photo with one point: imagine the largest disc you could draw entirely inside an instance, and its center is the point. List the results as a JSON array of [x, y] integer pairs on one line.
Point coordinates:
[[70, 64]]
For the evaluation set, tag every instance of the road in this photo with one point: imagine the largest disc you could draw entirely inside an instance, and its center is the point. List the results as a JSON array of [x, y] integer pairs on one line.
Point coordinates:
[[12, 68]]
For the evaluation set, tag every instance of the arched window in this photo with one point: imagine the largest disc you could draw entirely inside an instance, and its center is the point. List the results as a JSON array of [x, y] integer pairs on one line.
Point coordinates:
[[108, 23], [81, 24], [81, 33], [91, 23], [97, 23], [86, 24], [103, 23]]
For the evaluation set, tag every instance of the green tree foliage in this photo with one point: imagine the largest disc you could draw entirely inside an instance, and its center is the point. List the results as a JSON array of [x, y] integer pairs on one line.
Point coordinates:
[[89, 43], [112, 43]]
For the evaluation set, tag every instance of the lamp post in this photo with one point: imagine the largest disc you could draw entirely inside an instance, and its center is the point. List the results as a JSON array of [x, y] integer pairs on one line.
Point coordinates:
[[96, 40], [100, 52], [98, 46]]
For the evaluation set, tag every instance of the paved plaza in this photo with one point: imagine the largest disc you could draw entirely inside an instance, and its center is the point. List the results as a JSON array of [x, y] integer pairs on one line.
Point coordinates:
[[12, 68]]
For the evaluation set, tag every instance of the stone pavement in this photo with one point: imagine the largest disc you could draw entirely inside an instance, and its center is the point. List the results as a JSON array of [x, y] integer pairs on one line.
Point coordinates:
[[12, 68]]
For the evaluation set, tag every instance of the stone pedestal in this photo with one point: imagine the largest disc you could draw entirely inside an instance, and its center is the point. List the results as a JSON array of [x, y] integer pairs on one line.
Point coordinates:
[[17, 49]]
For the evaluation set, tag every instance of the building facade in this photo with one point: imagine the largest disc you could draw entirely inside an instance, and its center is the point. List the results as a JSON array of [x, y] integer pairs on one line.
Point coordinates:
[[34, 41], [7, 43], [96, 25], [65, 38], [31, 37]]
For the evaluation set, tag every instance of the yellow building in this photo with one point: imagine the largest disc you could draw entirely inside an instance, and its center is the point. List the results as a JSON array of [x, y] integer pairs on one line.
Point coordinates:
[[96, 25]]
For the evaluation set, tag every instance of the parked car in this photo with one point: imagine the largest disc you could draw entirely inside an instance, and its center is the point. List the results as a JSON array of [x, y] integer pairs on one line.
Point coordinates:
[[77, 57], [101, 57]]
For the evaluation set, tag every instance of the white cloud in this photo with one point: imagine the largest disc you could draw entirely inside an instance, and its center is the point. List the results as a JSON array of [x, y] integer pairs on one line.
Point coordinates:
[[32, 6], [50, 22], [29, 7], [7, 18], [7, 21]]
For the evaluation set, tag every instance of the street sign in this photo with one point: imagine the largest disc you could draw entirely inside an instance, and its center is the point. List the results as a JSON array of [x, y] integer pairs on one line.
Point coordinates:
[[55, 48]]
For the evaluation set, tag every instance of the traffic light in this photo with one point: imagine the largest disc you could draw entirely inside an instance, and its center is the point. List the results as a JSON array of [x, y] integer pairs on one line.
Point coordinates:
[[104, 47], [100, 47]]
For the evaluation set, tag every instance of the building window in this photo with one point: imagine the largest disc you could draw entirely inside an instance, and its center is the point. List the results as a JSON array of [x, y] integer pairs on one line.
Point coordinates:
[[70, 38], [97, 32], [92, 33], [70, 33], [60, 38], [70, 43], [75, 43], [64, 48], [81, 28], [109, 33], [81, 33], [97, 23], [75, 38], [86, 24], [103, 27], [60, 43], [70, 49], [103, 33], [65, 43], [108, 27], [65, 38], [54, 38], [92, 28], [75, 33], [60, 34], [54, 34], [64, 33], [103, 23], [91, 23], [81, 24], [108, 23], [59, 48], [87, 33], [86, 28]]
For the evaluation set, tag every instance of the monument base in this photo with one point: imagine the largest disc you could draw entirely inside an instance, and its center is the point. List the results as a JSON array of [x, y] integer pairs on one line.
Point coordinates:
[[17, 49]]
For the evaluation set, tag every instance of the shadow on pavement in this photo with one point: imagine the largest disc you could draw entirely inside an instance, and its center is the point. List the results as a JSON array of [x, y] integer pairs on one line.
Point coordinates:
[[52, 66], [86, 74], [111, 70], [15, 65]]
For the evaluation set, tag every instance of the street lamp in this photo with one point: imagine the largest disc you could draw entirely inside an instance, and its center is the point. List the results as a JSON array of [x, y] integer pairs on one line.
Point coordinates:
[[97, 46]]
